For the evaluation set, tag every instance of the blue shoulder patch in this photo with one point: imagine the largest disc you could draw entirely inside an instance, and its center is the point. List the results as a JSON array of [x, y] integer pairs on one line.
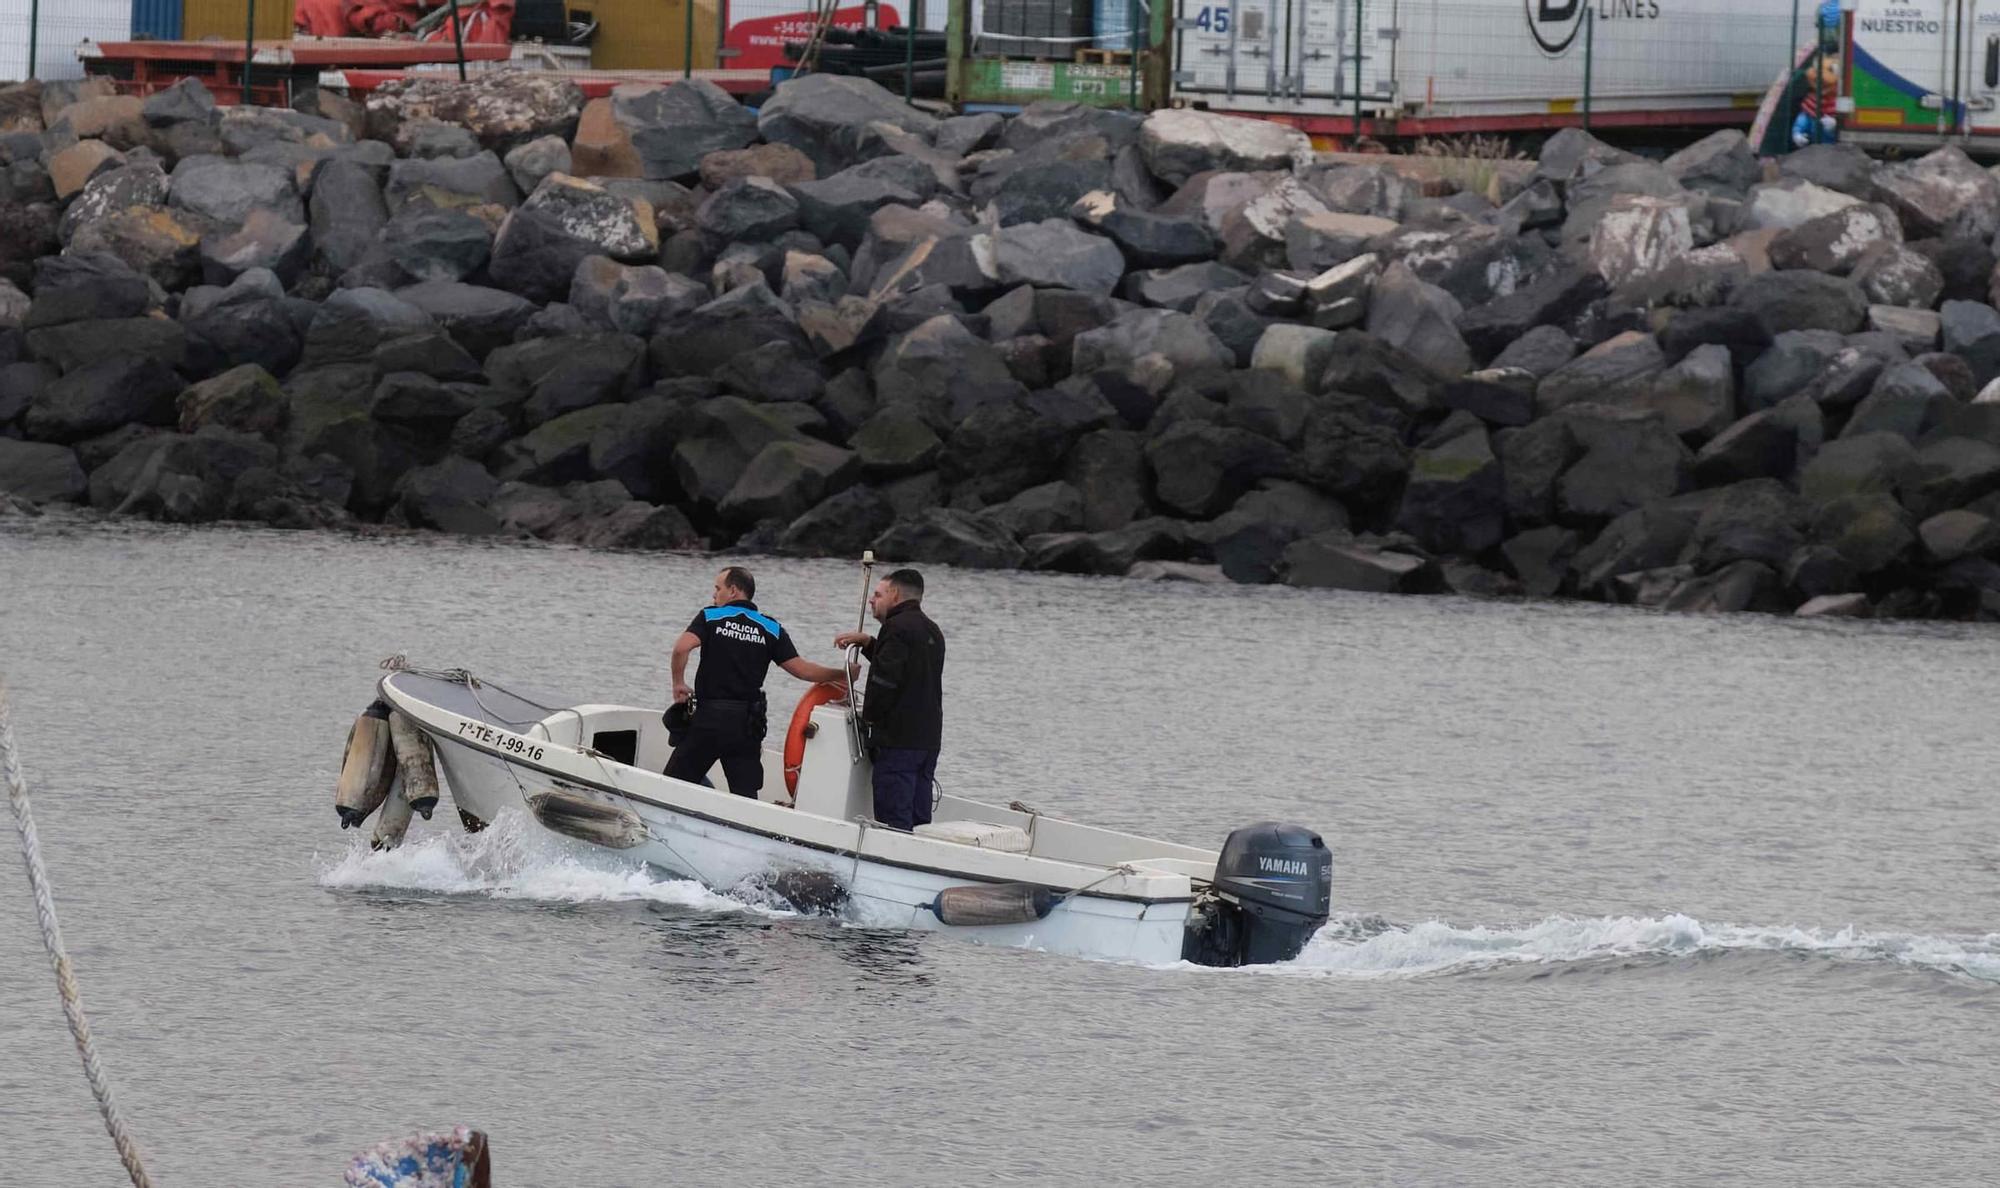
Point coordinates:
[[765, 621]]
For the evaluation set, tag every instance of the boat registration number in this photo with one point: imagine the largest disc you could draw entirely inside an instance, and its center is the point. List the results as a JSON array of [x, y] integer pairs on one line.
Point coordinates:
[[513, 744]]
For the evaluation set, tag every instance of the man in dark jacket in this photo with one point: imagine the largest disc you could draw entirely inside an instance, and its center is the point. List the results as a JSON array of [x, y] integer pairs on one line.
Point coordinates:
[[903, 709], [738, 646]]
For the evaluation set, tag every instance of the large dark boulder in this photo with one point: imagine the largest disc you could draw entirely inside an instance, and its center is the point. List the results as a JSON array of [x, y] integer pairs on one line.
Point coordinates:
[[1148, 240], [450, 496], [226, 191], [1782, 301], [330, 415], [1056, 253], [252, 321], [720, 437], [1106, 553], [244, 399], [1739, 586], [824, 117], [896, 441], [1757, 520], [1942, 194], [1249, 540], [535, 256], [786, 479], [1871, 531], [1039, 510], [562, 375], [948, 536], [1620, 370], [1629, 459], [1835, 243], [840, 525], [660, 132], [478, 318], [92, 286], [1557, 295], [96, 398], [1456, 499], [1201, 469], [1773, 443], [1334, 560], [1971, 330], [1907, 400], [1533, 459], [74, 345], [1005, 447], [1948, 473], [1861, 464], [1540, 559], [1349, 452], [943, 372], [1646, 538], [40, 472], [1108, 468], [353, 322], [428, 245]]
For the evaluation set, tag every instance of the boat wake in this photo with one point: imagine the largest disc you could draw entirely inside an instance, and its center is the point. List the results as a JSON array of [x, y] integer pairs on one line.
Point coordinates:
[[1354, 946], [514, 860]]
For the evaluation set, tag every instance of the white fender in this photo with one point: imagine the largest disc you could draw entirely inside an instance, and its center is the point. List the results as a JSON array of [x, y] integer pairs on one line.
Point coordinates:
[[395, 819], [366, 769], [417, 763]]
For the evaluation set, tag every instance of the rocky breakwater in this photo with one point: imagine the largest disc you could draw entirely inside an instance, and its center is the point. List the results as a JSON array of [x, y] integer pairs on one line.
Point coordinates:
[[1074, 340]]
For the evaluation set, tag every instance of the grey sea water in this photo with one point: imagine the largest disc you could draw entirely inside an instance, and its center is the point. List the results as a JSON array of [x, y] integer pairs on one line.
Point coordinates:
[[1624, 898]]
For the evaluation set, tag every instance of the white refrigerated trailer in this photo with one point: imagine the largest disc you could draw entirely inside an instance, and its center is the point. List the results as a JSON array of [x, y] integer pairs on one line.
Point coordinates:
[[1442, 67]]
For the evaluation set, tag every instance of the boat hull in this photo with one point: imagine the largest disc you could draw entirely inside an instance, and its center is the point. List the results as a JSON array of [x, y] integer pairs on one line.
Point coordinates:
[[879, 894]]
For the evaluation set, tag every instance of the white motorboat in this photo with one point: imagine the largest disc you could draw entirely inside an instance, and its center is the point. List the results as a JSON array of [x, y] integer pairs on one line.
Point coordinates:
[[1000, 875]]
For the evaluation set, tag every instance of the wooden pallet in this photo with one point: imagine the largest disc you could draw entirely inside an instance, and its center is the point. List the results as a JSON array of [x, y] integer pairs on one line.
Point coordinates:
[[1104, 57]]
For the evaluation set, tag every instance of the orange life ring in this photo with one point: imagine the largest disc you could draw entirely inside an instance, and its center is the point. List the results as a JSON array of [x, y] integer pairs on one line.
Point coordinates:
[[795, 734]]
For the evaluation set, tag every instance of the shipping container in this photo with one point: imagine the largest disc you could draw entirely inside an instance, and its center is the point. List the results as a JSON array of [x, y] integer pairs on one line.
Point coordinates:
[[1920, 74], [157, 20], [226, 20], [1443, 66], [650, 34], [60, 27]]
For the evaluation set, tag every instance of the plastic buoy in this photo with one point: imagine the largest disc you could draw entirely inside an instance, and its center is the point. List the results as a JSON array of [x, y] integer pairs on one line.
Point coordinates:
[[395, 819], [417, 762], [994, 903], [366, 769], [607, 825]]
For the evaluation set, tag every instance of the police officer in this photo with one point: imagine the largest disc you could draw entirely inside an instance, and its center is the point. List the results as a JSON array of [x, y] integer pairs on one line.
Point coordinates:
[[904, 707], [739, 644]]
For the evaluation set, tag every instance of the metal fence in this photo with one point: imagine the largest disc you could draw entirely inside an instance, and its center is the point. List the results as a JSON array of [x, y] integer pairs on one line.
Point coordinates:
[[38, 38]]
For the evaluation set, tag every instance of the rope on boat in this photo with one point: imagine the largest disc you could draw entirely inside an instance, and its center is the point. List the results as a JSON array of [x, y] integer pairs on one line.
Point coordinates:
[[45, 915]]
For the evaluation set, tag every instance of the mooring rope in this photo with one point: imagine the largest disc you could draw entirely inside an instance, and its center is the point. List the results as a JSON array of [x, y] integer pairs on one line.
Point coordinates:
[[45, 914]]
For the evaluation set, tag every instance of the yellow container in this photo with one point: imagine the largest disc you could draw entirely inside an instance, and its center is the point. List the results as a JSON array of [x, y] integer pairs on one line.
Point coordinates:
[[223, 19], [649, 34]]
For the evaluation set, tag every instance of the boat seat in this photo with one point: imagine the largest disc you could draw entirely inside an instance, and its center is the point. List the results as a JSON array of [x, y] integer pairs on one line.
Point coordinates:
[[1008, 839]]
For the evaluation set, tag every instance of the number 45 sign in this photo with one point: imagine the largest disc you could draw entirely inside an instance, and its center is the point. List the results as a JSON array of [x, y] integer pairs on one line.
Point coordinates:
[[1213, 20]]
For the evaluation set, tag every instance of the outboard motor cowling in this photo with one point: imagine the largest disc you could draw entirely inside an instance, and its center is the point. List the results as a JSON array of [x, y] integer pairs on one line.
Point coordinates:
[[1273, 889]]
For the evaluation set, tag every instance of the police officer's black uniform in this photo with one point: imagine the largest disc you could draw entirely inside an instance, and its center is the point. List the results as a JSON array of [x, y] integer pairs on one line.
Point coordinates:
[[738, 646]]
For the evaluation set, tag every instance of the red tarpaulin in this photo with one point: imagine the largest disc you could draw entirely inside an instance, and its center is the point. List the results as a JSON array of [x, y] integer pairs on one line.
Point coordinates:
[[489, 22]]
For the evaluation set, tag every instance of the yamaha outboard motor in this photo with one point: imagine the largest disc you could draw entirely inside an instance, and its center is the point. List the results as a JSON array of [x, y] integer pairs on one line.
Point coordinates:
[[1273, 889]]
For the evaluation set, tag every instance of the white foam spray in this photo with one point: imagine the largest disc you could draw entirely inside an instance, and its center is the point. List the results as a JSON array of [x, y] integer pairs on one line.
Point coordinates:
[[1363, 947], [514, 860]]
